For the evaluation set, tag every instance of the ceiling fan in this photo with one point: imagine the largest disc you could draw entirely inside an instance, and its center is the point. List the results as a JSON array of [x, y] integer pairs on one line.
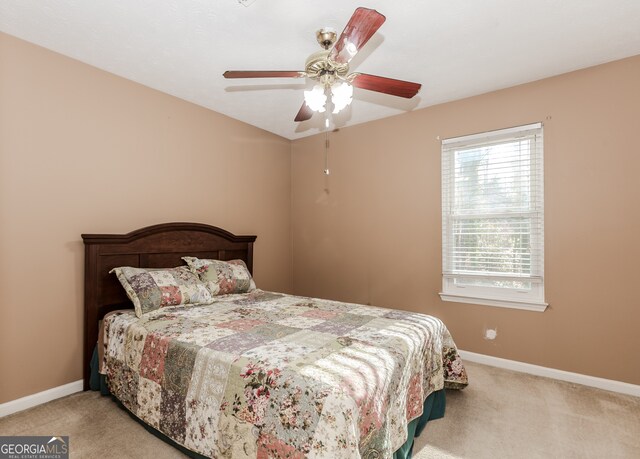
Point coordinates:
[[330, 68]]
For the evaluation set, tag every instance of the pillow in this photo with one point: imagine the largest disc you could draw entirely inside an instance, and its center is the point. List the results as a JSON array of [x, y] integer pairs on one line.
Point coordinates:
[[222, 277], [151, 289]]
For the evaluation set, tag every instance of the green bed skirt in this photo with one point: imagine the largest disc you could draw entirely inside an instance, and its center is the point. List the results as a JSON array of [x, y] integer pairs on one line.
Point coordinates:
[[433, 408]]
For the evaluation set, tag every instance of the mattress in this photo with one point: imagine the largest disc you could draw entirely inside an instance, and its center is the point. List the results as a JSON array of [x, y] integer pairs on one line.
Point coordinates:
[[266, 374]]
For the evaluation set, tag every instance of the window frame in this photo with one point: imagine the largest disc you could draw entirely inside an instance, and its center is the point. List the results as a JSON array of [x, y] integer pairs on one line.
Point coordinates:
[[528, 299]]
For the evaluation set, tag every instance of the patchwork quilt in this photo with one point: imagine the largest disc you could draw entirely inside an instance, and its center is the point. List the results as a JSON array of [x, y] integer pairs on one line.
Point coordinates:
[[268, 375]]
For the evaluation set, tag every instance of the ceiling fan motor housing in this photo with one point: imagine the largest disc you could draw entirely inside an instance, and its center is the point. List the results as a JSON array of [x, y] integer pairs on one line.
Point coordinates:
[[319, 67]]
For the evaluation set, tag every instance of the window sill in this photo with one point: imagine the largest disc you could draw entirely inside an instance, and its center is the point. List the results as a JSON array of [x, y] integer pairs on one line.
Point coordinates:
[[527, 306]]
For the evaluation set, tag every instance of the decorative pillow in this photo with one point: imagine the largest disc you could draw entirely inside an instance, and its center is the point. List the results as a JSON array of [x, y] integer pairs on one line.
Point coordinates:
[[151, 289], [222, 277]]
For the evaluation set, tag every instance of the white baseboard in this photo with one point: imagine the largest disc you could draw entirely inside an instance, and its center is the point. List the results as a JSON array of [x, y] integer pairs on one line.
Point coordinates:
[[577, 378], [41, 397]]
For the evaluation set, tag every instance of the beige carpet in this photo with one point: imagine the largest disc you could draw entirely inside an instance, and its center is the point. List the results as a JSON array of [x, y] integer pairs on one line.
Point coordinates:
[[501, 414], [504, 414]]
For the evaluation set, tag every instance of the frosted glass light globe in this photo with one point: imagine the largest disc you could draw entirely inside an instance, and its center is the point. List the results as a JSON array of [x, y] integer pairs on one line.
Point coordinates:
[[316, 98], [341, 95]]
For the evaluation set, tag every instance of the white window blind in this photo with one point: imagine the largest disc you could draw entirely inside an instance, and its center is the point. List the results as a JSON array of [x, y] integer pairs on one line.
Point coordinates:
[[493, 218]]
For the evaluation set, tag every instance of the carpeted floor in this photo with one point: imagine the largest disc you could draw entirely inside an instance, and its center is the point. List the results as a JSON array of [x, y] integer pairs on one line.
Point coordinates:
[[502, 414]]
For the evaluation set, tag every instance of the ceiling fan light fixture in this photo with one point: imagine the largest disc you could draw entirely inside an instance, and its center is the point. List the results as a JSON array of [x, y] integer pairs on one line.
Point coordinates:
[[341, 95], [316, 99], [330, 68]]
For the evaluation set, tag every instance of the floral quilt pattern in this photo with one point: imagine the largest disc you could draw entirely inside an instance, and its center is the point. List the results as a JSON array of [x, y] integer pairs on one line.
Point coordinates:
[[267, 375]]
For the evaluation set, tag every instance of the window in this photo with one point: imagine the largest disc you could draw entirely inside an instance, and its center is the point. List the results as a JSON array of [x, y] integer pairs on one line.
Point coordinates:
[[493, 219]]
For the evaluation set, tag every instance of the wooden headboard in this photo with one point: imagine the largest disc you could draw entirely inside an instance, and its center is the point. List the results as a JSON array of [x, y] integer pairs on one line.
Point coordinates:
[[158, 246]]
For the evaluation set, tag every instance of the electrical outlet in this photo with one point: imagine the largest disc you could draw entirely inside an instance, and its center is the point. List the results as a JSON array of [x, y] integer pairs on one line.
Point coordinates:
[[490, 333]]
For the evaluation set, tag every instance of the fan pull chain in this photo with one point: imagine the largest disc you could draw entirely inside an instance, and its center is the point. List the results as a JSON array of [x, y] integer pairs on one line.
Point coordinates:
[[326, 153], [327, 122]]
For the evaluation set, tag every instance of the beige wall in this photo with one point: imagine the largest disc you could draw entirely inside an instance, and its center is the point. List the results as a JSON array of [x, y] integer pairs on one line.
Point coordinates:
[[370, 232], [84, 151]]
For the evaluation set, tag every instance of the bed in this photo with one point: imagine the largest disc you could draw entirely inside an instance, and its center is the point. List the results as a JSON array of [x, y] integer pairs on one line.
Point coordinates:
[[261, 374]]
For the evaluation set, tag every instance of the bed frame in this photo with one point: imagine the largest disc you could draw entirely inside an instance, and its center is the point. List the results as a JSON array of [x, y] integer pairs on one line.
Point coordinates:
[[158, 246]]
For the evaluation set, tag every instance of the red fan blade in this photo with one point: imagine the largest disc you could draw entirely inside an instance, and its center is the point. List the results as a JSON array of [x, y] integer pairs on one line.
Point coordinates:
[[263, 74], [304, 114], [386, 85], [361, 27]]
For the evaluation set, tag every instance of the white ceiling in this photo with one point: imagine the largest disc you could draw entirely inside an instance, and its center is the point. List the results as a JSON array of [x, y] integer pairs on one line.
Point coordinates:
[[455, 48]]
